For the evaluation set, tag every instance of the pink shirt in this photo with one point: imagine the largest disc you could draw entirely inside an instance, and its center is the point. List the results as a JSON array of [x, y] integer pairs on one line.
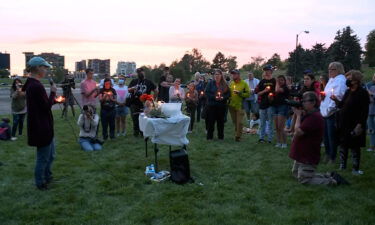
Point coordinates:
[[86, 87]]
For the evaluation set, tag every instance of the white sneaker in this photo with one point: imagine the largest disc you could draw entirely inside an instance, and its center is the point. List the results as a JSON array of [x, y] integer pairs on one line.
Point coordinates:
[[370, 149], [13, 138], [124, 134], [284, 145], [118, 134], [278, 145]]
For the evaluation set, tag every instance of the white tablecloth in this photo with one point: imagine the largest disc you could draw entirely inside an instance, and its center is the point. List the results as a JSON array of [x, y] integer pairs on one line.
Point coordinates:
[[170, 131]]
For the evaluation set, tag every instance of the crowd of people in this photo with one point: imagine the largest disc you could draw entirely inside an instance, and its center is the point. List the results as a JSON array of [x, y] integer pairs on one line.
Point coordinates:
[[335, 112]]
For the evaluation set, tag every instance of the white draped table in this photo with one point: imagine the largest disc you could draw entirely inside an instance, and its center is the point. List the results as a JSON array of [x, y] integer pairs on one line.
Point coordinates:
[[170, 131]]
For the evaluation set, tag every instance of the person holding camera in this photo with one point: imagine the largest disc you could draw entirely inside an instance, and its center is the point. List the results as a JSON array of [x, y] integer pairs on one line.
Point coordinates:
[[107, 98], [40, 132], [352, 117], [137, 87], [18, 107], [305, 149], [88, 122], [67, 86]]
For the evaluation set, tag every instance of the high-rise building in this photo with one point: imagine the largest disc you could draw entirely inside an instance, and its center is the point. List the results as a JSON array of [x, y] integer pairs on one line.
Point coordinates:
[[81, 66], [126, 68], [4, 61], [100, 67], [56, 60]]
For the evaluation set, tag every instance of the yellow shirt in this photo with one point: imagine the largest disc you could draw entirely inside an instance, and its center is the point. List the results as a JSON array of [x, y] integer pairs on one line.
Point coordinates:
[[236, 98]]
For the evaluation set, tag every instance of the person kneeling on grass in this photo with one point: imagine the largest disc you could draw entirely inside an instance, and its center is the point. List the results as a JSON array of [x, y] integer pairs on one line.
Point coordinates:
[[305, 148], [88, 122]]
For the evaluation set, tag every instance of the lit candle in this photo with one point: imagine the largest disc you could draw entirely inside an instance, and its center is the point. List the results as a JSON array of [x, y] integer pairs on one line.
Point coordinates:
[[219, 93], [270, 94], [202, 92], [159, 103], [332, 91], [268, 87], [322, 93], [188, 95], [60, 99]]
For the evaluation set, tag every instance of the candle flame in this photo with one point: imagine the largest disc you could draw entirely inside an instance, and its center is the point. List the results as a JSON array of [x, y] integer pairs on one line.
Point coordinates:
[[60, 99]]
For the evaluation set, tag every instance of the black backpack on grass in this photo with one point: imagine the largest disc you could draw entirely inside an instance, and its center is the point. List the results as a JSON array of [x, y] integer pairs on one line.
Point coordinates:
[[180, 168]]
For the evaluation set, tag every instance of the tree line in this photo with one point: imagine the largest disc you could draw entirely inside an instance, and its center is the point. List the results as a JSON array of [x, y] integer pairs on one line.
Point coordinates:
[[345, 48]]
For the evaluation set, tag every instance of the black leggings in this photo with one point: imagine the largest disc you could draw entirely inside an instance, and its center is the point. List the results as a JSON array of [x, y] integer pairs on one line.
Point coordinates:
[[215, 114]]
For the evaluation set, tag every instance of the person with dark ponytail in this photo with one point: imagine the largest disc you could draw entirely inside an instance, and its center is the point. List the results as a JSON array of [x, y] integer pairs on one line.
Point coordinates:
[[18, 107]]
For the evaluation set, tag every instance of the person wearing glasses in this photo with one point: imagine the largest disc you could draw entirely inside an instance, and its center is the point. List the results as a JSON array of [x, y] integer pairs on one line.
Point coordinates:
[[305, 149], [336, 86]]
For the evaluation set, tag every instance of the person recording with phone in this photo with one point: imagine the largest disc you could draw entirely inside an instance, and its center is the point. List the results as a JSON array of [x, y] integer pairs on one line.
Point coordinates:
[[88, 122], [40, 127]]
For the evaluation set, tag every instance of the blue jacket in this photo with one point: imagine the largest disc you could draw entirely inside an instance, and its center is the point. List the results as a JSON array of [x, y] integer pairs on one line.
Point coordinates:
[[211, 92]]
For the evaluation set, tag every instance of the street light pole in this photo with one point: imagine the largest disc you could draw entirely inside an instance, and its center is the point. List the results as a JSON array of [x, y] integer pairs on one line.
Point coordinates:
[[296, 53]]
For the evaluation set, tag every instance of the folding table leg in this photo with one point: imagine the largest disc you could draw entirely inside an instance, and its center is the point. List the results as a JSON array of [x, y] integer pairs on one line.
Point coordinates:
[[156, 158]]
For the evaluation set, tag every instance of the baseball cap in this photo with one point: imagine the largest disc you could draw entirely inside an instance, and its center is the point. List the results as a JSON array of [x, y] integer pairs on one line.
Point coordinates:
[[308, 71], [38, 61], [267, 67], [235, 71]]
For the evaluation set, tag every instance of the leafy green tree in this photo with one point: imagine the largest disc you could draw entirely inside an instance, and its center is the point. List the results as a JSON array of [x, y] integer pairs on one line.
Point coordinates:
[[346, 49], [231, 63], [219, 61], [4, 73], [275, 61], [319, 57], [370, 49]]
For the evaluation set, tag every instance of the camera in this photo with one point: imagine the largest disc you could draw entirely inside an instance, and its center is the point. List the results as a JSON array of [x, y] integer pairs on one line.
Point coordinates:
[[295, 90], [85, 108], [292, 103]]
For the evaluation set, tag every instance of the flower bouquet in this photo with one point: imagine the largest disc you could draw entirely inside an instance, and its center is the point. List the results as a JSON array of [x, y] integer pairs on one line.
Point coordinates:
[[151, 109]]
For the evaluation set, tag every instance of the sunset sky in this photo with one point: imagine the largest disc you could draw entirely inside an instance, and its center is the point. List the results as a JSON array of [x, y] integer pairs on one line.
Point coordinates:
[[154, 32]]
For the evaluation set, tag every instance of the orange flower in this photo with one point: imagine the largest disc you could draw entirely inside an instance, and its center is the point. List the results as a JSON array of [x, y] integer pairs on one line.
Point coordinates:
[[145, 97]]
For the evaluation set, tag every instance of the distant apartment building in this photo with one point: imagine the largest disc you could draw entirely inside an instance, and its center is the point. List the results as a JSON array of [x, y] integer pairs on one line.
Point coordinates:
[[100, 67], [56, 60], [81, 66], [126, 68], [4, 61], [79, 75]]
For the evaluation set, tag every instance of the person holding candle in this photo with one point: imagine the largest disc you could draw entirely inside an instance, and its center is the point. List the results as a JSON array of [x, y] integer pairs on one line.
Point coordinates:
[[18, 107], [352, 118], [89, 89], [40, 127], [370, 86], [281, 110], [176, 93], [216, 104], [336, 86], [191, 100], [251, 103], [166, 81], [107, 98], [264, 89], [200, 85], [121, 109], [239, 91]]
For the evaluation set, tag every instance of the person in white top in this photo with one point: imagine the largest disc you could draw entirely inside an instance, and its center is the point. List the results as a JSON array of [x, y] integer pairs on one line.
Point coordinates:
[[176, 93], [88, 122], [251, 103], [121, 109], [336, 86]]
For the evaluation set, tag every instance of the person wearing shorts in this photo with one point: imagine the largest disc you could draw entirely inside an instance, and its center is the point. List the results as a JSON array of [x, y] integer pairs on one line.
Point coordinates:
[[121, 110], [280, 110]]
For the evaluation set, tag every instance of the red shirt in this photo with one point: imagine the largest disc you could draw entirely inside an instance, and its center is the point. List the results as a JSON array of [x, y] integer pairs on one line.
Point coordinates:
[[306, 148]]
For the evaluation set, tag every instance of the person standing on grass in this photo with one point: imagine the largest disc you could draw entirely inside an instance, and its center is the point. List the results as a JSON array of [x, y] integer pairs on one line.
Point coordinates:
[[40, 131], [107, 98], [265, 90], [191, 100], [239, 92], [281, 110], [352, 118], [176, 93], [166, 81], [88, 123], [121, 110], [251, 103], [370, 86], [18, 107], [137, 87], [336, 86], [217, 93], [89, 89], [305, 150], [200, 85]]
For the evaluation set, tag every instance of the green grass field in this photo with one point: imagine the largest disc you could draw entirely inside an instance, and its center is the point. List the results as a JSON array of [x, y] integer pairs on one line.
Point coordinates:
[[235, 183]]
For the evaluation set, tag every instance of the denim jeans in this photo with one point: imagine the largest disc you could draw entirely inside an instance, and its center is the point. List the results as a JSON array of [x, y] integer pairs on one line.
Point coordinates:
[[108, 119], [87, 146], [330, 142], [266, 115], [18, 123], [44, 158], [371, 128]]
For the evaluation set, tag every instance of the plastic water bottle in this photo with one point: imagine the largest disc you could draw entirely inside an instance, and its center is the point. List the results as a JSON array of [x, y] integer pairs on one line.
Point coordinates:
[[152, 168]]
